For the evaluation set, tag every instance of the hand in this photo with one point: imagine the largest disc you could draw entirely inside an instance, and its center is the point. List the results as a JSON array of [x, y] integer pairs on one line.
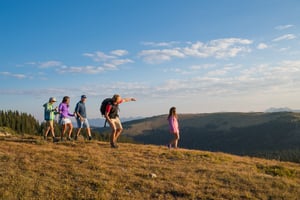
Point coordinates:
[[133, 99]]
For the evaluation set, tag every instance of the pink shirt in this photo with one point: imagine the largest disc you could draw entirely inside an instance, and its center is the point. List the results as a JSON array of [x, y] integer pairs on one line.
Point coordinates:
[[173, 124]]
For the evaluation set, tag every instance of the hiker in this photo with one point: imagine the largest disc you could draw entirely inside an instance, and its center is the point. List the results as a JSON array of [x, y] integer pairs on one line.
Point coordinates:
[[49, 115], [112, 117], [173, 127], [65, 117], [81, 119]]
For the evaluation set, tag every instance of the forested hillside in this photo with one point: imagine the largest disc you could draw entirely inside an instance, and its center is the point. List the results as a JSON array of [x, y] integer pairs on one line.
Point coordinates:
[[19, 122], [268, 135]]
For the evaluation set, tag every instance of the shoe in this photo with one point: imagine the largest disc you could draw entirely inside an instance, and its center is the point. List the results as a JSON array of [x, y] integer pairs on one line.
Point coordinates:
[[55, 139], [90, 137], [113, 145], [75, 138], [169, 146], [62, 139], [45, 138], [69, 138]]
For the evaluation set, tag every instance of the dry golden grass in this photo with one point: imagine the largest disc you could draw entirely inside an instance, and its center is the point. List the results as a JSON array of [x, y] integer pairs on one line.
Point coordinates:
[[92, 170]]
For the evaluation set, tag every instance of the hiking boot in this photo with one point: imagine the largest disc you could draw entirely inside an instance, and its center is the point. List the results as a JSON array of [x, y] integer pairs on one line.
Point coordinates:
[[90, 137], [45, 137], [169, 146], [69, 138], [55, 139], [75, 138], [113, 145]]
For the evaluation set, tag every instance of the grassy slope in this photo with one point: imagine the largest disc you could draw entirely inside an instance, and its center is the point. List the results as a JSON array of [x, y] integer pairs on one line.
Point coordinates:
[[92, 170]]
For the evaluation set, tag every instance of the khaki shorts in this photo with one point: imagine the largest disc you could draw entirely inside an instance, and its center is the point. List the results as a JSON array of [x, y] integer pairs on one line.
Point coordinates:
[[116, 123], [49, 123]]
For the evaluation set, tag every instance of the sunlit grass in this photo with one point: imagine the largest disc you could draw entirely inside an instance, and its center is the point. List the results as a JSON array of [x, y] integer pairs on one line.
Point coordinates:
[[92, 170]]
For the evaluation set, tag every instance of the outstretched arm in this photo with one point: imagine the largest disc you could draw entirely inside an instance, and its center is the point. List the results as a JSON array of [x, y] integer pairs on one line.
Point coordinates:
[[128, 99]]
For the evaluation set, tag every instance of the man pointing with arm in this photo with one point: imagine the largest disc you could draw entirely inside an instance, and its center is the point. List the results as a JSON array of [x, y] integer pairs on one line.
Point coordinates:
[[112, 117]]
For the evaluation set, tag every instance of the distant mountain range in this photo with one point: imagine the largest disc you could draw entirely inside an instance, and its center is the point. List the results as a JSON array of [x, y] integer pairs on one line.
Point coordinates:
[[284, 109], [99, 122]]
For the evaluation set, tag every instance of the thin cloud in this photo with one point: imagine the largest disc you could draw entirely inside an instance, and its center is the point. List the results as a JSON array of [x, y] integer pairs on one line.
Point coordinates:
[[118, 62], [283, 27], [157, 56], [99, 56], [160, 44], [82, 69], [119, 52], [261, 46], [9, 74], [49, 64], [200, 67], [285, 37], [111, 60], [220, 49]]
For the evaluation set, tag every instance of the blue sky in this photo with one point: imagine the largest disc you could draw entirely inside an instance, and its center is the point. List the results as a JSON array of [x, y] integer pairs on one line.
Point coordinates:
[[198, 55]]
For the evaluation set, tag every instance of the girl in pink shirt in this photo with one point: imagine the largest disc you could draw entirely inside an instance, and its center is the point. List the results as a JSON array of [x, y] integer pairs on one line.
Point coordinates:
[[173, 127]]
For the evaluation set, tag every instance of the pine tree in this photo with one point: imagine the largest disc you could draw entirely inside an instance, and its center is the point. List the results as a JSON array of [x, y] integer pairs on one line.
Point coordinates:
[[20, 122]]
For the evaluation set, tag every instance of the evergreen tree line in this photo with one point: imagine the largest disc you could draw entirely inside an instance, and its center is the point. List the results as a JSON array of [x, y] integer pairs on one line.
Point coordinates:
[[21, 123]]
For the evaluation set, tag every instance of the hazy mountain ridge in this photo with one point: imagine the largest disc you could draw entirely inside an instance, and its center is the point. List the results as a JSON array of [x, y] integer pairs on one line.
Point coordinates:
[[282, 109]]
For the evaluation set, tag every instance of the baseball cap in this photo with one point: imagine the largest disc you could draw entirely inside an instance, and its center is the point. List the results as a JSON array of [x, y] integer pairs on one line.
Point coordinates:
[[83, 96], [52, 99]]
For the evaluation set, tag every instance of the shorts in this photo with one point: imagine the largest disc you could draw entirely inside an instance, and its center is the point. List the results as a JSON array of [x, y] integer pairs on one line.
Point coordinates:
[[65, 121], [116, 123], [49, 123], [83, 124]]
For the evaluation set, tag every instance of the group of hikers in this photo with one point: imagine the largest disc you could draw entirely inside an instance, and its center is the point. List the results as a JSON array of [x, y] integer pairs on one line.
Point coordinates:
[[109, 109]]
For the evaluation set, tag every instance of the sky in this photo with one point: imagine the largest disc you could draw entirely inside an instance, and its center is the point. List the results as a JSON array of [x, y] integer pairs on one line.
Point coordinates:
[[201, 56]]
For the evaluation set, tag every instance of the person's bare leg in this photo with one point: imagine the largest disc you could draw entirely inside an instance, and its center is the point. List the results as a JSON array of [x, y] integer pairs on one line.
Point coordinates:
[[176, 140], [88, 130], [118, 133], [46, 132], [113, 136], [70, 129], [64, 126], [52, 128], [78, 133]]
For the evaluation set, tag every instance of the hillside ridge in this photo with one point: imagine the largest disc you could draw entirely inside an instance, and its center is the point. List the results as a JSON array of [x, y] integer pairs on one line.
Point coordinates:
[[35, 169], [267, 135]]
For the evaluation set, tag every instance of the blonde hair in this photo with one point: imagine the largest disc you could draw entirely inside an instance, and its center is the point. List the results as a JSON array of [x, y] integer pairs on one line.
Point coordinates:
[[116, 97]]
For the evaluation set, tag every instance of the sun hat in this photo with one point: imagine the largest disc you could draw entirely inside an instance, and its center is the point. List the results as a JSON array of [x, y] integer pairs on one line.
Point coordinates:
[[52, 99]]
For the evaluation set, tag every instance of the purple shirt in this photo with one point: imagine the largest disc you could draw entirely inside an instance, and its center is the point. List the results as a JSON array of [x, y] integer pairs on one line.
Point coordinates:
[[64, 110]]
